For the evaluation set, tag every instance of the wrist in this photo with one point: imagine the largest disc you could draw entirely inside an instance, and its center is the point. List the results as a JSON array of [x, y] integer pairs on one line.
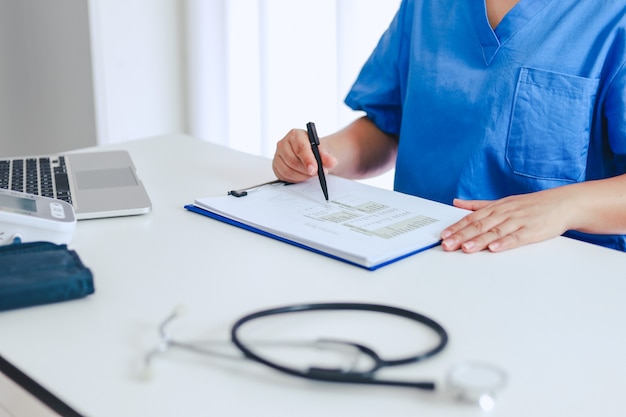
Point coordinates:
[[596, 207]]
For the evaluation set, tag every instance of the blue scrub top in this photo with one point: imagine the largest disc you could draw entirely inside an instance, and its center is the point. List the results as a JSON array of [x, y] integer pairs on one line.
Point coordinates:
[[481, 114]]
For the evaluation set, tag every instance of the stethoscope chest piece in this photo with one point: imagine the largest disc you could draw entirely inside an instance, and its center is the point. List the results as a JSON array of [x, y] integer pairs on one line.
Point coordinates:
[[476, 383]]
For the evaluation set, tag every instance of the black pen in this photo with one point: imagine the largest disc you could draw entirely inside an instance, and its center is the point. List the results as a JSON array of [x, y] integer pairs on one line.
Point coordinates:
[[315, 141]]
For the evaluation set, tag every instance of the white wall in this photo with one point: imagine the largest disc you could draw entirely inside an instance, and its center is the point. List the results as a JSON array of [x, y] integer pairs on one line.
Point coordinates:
[[138, 55], [51, 96], [46, 95]]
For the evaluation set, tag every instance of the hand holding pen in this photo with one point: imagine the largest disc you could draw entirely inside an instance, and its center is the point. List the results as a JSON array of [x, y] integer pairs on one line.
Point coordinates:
[[295, 161]]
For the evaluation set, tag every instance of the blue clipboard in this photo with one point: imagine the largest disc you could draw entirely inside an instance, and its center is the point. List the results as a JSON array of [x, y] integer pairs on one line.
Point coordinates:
[[216, 216]]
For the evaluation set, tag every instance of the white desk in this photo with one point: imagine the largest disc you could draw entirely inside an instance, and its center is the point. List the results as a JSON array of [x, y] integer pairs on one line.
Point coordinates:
[[550, 314]]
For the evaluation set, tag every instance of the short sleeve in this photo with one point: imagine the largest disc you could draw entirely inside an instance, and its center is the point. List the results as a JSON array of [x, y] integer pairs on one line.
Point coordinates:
[[378, 89]]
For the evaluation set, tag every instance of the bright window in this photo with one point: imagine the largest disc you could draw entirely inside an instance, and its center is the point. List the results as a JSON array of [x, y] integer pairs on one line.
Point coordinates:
[[258, 68]]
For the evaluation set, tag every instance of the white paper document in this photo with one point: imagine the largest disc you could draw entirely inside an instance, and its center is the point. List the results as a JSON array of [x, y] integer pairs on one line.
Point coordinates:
[[360, 224]]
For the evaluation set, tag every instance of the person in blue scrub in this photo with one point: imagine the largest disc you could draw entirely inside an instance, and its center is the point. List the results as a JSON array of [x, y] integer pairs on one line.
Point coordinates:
[[513, 109]]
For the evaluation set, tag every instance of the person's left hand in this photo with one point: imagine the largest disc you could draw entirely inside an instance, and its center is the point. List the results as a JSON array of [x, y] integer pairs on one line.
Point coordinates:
[[507, 223]]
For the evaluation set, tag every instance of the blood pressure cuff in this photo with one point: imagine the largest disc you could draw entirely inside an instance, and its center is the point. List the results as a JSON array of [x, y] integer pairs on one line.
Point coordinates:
[[40, 273]]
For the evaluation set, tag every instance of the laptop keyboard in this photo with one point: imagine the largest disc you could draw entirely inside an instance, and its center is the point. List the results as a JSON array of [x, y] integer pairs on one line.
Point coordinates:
[[45, 176]]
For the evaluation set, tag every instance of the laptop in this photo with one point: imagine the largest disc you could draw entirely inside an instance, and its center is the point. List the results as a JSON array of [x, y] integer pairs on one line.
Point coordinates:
[[97, 184]]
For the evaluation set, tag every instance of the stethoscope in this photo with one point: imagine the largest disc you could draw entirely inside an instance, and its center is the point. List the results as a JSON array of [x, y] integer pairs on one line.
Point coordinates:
[[470, 382]]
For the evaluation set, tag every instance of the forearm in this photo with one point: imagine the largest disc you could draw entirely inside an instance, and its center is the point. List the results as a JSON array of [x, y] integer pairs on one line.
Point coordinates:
[[362, 150], [598, 206]]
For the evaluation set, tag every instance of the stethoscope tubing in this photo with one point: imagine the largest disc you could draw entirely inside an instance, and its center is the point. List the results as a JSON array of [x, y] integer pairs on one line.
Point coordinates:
[[335, 375]]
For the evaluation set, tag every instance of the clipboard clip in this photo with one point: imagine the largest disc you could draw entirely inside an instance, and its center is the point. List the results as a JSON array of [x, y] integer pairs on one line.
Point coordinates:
[[244, 191]]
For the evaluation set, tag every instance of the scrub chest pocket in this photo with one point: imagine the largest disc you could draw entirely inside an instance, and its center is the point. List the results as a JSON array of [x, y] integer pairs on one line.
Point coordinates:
[[550, 125]]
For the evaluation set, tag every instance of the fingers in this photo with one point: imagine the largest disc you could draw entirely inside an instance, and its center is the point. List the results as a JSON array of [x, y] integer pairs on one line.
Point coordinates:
[[328, 161], [294, 161], [493, 226], [476, 233], [470, 204], [470, 226]]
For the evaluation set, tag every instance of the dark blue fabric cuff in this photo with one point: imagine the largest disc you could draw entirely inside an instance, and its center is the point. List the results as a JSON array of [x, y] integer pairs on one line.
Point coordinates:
[[40, 273]]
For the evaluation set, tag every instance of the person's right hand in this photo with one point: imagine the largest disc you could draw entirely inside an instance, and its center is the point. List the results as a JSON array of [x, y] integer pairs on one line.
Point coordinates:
[[294, 160]]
